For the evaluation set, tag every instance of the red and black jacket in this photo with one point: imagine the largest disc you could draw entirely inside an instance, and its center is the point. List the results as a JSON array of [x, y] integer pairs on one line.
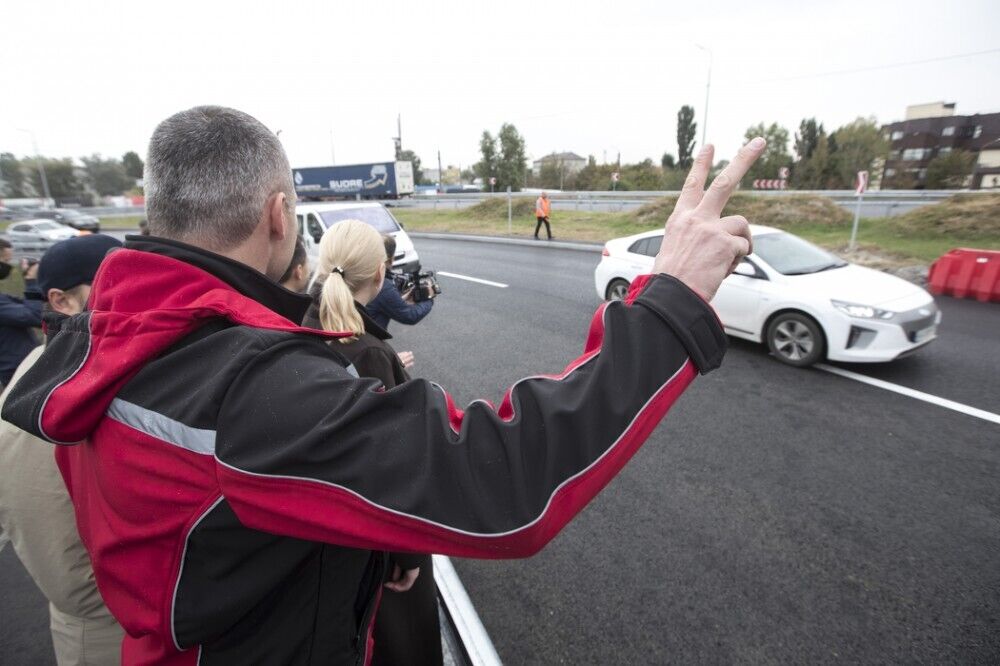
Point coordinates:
[[231, 476]]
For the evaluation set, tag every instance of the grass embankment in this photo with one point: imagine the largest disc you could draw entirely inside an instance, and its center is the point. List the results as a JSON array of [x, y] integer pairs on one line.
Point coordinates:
[[920, 236], [125, 222]]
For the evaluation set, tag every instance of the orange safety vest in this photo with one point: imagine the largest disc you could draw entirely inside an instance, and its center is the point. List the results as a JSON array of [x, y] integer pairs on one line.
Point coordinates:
[[542, 207]]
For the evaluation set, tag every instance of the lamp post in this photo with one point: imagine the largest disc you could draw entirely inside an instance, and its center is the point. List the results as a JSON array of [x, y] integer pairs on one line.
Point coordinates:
[[708, 88], [38, 161]]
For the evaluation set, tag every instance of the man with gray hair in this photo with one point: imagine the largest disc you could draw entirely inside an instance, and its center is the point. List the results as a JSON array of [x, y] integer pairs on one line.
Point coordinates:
[[237, 486]]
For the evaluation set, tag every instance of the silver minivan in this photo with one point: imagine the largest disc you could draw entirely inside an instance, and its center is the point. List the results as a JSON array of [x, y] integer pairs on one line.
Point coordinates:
[[316, 218]]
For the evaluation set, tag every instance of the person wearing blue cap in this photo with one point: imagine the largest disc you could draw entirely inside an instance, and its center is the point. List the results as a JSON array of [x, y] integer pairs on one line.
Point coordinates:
[[36, 513], [18, 319]]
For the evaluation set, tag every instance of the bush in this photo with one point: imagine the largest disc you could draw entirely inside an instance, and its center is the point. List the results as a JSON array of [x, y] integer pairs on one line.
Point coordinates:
[[967, 215], [495, 208], [773, 211]]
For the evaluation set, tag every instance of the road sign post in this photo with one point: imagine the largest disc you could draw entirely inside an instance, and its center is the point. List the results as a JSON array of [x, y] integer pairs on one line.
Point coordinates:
[[493, 181], [614, 181], [860, 186], [510, 213]]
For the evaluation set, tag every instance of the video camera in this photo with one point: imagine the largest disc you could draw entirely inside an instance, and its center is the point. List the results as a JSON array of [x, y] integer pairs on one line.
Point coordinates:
[[423, 284]]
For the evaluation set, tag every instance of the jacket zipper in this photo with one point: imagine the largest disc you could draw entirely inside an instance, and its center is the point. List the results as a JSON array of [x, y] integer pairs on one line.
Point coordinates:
[[368, 618]]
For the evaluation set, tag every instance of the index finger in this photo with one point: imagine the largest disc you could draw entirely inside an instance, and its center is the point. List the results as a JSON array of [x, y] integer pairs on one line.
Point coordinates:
[[694, 184], [725, 183]]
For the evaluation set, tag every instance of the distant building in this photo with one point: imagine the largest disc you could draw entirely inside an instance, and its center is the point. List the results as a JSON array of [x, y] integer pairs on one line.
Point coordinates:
[[987, 173], [571, 162], [930, 130]]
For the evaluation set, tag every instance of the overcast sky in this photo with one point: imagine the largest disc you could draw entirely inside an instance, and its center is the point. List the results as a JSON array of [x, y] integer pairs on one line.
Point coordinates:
[[589, 77]]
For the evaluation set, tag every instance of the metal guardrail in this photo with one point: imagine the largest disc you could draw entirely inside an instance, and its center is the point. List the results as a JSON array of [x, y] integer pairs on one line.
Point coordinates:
[[877, 203]]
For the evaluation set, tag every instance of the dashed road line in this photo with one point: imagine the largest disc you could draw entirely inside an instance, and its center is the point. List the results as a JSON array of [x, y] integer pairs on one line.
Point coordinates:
[[490, 283], [912, 393]]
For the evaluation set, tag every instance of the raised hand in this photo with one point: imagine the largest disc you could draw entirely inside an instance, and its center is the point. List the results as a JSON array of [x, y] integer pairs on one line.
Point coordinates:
[[700, 247]]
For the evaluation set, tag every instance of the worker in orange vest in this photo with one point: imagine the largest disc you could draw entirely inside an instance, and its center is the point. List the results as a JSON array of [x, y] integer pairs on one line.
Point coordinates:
[[542, 209]]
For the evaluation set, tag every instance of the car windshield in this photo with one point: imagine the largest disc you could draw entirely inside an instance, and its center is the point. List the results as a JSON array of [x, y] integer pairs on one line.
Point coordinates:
[[791, 255], [376, 216], [47, 226]]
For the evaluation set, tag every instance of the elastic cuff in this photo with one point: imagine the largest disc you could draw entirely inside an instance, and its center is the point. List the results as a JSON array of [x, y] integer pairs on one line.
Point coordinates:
[[691, 318]]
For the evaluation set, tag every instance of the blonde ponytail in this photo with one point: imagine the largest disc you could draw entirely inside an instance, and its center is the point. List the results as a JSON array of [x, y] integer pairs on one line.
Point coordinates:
[[350, 254]]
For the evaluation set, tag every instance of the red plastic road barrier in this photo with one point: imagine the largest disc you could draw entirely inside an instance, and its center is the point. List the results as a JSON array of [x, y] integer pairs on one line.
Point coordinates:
[[967, 273]]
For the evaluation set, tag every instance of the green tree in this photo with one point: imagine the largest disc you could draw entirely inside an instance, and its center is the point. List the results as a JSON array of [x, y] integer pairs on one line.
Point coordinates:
[[775, 155], [409, 155], [950, 171], [61, 176], [808, 138], [644, 176], [107, 177], [551, 176], [855, 147], [814, 172], [667, 161], [486, 167], [686, 129], [512, 162], [12, 181], [133, 164]]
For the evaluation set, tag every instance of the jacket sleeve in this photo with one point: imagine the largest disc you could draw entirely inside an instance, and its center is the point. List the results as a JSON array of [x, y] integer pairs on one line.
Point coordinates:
[[24, 314], [345, 463], [390, 303]]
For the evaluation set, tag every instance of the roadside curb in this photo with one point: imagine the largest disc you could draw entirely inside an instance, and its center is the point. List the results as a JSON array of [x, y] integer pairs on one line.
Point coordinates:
[[499, 240]]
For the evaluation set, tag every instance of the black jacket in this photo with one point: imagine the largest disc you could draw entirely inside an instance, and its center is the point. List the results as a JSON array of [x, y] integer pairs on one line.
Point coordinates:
[[230, 476], [17, 319], [371, 354]]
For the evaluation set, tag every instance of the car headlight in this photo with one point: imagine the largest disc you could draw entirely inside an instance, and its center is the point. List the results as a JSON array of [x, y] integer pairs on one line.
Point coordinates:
[[862, 311]]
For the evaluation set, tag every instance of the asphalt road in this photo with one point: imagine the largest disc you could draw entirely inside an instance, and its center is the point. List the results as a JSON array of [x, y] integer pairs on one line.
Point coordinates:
[[777, 515]]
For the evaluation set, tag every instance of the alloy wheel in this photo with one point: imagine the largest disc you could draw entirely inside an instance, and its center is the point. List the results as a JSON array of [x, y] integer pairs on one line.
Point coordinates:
[[793, 340]]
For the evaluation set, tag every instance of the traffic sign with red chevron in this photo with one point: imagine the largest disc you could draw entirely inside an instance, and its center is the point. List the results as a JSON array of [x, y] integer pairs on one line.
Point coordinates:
[[769, 184]]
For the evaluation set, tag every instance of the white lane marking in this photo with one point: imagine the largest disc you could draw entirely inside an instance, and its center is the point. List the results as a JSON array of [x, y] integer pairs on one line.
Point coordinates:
[[470, 628], [911, 393], [501, 285]]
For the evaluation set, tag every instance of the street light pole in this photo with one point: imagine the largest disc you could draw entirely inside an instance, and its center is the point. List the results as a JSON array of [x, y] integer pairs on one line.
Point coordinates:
[[38, 161], [708, 88]]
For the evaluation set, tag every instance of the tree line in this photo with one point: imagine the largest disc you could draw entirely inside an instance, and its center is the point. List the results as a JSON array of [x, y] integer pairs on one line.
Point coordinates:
[[816, 160], [98, 177]]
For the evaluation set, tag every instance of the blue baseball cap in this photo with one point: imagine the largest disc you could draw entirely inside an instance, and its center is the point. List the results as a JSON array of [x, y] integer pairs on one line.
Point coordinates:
[[73, 262]]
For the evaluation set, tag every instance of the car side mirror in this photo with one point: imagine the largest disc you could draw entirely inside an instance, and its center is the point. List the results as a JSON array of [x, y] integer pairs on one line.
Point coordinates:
[[745, 268]]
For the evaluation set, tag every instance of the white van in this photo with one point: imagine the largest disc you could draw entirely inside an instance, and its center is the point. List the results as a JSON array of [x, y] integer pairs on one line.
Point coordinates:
[[316, 218]]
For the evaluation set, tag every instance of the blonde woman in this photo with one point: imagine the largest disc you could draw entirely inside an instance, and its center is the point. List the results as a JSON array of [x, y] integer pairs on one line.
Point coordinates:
[[350, 274]]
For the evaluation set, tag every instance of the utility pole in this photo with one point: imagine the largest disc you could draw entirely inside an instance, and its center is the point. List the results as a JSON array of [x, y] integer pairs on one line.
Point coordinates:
[[398, 139], [440, 174], [708, 87], [38, 161]]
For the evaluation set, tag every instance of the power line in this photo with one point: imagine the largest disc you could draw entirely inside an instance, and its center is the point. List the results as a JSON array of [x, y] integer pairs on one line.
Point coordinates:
[[876, 68]]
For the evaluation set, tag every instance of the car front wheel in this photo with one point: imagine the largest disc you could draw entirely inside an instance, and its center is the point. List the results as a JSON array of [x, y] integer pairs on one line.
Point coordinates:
[[617, 290], [795, 339]]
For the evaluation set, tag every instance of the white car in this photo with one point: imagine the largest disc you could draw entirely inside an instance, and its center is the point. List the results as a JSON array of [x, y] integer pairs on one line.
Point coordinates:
[[801, 301], [316, 218], [34, 237]]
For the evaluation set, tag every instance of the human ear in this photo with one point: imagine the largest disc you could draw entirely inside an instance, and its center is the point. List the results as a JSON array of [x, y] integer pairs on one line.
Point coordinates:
[[278, 222]]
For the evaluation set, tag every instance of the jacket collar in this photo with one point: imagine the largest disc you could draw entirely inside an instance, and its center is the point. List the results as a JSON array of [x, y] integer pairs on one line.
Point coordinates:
[[370, 326], [312, 318], [242, 278]]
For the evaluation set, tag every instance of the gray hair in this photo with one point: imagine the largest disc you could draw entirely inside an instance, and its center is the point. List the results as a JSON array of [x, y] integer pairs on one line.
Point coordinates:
[[209, 173]]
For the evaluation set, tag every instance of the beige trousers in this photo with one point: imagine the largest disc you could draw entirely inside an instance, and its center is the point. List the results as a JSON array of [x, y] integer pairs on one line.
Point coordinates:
[[85, 642]]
